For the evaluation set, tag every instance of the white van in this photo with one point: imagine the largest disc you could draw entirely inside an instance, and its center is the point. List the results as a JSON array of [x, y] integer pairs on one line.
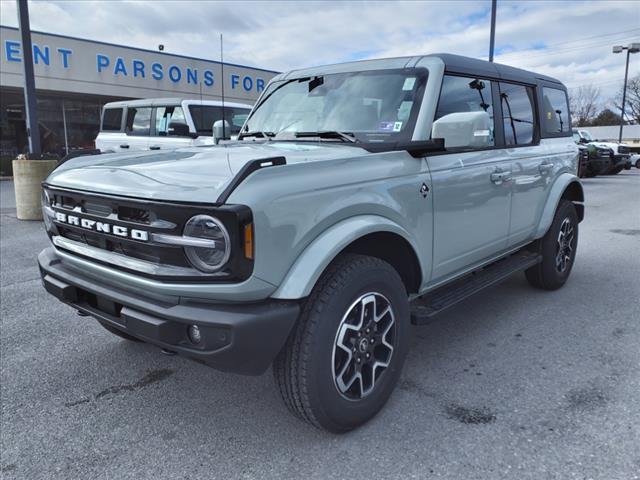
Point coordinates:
[[165, 123]]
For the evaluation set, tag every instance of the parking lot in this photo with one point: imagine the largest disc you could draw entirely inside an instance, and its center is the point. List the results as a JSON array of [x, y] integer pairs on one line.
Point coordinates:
[[514, 383]]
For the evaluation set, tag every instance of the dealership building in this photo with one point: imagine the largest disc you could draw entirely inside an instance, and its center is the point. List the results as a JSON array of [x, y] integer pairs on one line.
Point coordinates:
[[76, 77]]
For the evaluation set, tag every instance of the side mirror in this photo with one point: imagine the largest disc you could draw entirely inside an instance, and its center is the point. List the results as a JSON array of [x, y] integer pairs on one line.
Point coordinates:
[[464, 129], [177, 129], [221, 131]]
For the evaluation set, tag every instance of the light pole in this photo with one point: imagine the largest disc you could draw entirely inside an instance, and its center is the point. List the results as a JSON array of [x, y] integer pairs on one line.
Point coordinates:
[[631, 48], [492, 38]]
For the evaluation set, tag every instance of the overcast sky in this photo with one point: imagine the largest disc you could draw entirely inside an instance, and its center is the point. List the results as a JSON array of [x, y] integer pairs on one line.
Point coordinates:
[[568, 40]]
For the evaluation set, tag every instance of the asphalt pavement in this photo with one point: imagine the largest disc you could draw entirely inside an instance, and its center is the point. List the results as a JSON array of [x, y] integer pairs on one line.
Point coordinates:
[[514, 383]]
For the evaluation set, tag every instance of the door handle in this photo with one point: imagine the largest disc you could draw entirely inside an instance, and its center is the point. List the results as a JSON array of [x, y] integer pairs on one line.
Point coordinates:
[[154, 147], [500, 176], [545, 167], [124, 145]]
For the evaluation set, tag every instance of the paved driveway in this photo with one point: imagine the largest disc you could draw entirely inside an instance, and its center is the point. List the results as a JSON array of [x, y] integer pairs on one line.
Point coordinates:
[[514, 383]]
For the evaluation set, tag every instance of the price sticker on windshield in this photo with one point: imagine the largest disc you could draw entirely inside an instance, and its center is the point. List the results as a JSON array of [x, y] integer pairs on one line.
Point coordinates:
[[408, 84]]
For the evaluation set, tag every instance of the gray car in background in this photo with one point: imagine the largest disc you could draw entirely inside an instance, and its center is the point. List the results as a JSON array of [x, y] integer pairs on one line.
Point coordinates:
[[358, 198]]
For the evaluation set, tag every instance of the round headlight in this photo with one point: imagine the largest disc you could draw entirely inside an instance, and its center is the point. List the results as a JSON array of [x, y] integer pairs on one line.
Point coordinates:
[[212, 257]]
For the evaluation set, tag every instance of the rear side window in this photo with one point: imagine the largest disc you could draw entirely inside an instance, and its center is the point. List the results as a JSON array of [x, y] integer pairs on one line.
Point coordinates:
[[555, 111], [467, 94], [517, 114], [139, 121], [112, 119]]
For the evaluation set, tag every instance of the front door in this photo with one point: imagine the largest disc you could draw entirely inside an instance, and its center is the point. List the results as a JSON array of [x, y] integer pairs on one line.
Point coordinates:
[[471, 209]]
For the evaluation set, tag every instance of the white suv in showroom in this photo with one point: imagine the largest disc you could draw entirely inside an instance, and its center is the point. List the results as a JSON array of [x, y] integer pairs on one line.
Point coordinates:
[[165, 123]]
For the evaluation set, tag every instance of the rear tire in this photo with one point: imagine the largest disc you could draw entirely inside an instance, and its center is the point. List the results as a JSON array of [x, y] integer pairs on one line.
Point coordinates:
[[346, 352], [558, 249], [119, 333], [638, 164]]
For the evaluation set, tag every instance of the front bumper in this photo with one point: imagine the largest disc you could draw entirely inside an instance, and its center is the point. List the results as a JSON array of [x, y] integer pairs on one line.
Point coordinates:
[[241, 338], [620, 160]]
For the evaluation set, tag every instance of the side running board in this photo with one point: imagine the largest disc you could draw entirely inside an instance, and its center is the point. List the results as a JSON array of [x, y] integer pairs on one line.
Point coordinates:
[[424, 308]]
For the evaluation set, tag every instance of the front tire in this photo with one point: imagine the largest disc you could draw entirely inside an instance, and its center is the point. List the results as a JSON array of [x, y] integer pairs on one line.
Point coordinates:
[[558, 250], [346, 352]]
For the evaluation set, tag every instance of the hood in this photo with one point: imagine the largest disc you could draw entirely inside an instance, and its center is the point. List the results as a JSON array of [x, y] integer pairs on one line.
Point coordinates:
[[612, 145], [196, 174]]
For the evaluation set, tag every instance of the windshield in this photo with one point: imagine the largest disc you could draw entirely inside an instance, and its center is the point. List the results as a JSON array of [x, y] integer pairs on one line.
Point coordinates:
[[205, 115], [586, 135], [378, 106]]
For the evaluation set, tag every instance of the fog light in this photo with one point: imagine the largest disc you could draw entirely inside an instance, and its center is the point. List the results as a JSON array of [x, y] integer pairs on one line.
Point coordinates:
[[194, 334]]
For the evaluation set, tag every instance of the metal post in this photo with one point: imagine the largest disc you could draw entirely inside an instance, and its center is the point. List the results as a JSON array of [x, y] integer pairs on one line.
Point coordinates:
[[30, 100], [493, 29], [64, 124], [224, 135], [624, 94]]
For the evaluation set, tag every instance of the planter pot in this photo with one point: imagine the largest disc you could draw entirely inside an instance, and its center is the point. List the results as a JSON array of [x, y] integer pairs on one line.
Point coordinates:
[[28, 176]]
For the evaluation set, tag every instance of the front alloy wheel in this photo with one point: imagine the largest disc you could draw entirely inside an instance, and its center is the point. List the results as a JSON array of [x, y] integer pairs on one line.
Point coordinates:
[[363, 346], [346, 351]]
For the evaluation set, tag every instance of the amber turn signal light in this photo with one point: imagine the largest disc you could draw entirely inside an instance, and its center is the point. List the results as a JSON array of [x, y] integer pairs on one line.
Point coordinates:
[[248, 241]]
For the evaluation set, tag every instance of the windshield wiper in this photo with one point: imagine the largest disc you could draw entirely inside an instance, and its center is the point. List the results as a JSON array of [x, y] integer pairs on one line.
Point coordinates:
[[257, 133], [347, 136]]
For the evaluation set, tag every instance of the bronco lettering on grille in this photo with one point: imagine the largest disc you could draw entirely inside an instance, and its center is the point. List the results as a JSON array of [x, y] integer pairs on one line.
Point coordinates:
[[102, 227]]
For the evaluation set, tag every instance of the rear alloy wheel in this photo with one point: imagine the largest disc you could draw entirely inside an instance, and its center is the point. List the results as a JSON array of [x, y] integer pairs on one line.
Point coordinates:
[[638, 164], [346, 351], [558, 250]]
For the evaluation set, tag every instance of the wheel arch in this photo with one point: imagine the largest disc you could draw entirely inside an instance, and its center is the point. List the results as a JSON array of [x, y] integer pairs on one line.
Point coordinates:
[[566, 187], [367, 235]]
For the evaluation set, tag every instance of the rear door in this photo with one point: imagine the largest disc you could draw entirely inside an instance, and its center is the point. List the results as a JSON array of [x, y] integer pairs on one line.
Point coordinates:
[[535, 162], [471, 187]]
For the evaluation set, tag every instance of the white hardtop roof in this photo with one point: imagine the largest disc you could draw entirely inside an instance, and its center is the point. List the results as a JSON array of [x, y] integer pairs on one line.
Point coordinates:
[[160, 102]]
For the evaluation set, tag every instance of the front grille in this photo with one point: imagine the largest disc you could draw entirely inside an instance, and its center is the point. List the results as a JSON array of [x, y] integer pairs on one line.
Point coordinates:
[[90, 211]]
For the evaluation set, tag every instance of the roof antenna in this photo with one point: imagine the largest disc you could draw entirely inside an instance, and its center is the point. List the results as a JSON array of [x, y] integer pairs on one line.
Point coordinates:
[[224, 135]]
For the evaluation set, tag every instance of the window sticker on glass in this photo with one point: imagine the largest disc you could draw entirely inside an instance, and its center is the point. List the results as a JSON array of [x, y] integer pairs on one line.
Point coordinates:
[[409, 82], [397, 126], [385, 127]]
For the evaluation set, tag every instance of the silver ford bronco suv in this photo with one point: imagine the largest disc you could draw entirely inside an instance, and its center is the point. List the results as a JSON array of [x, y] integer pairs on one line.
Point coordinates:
[[358, 198]]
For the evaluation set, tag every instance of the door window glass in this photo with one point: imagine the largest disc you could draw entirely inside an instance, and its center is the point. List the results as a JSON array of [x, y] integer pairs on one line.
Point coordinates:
[[112, 119], [466, 94], [139, 121], [165, 116], [517, 113], [555, 111], [205, 115]]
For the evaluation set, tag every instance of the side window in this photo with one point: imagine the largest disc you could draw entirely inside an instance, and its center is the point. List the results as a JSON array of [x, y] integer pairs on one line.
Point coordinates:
[[517, 113], [139, 121], [459, 96], [165, 116], [555, 111], [112, 120]]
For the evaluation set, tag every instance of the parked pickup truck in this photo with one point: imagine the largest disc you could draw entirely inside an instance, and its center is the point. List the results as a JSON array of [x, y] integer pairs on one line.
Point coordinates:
[[165, 123], [357, 198], [619, 153]]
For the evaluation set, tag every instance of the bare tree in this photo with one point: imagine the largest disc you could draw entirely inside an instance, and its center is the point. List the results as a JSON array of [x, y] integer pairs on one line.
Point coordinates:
[[632, 103], [584, 102]]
